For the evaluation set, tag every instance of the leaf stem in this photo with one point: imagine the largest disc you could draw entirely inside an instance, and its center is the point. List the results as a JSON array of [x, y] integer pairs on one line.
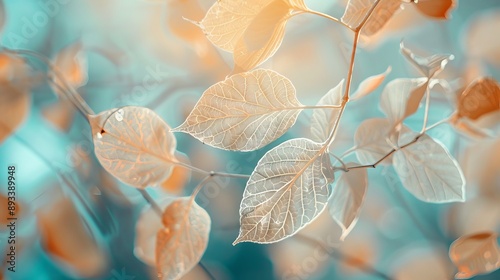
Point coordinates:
[[328, 17], [151, 202], [199, 187], [207, 272], [210, 173]]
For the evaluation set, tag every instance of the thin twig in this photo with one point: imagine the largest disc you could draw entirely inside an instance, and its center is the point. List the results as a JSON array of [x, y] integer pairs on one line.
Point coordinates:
[[329, 17], [151, 202], [207, 272]]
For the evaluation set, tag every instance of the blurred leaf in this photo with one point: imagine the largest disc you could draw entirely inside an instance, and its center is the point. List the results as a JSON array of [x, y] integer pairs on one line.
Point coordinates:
[[251, 30], [479, 98], [475, 254], [183, 240], [146, 230], [14, 98], [66, 237], [439, 9], [370, 141], [4, 204], [245, 112], [429, 172], [323, 120], [287, 190], [401, 98], [73, 65], [347, 198], [370, 84], [357, 10], [135, 145], [427, 66]]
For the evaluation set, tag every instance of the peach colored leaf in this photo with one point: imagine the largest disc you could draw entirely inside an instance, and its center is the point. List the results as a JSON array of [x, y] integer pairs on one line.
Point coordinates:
[[135, 145], [15, 100], [287, 190], [427, 66], [66, 238], [357, 10], [428, 171], [323, 120], [475, 254], [183, 240], [60, 114], [371, 141], [73, 65], [146, 229], [251, 30], [347, 198], [401, 98], [245, 112], [479, 98], [370, 84], [436, 8]]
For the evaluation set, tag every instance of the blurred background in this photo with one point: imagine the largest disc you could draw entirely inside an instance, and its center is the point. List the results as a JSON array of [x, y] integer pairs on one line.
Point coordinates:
[[78, 222]]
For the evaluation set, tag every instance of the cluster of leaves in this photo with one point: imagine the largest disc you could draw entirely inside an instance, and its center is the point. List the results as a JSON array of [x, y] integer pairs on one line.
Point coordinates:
[[297, 180]]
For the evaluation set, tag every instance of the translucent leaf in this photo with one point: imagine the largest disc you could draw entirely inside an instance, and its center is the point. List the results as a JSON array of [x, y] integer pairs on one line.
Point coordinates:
[[245, 112], [323, 120], [370, 84], [479, 98], [428, 171], [72, 63], [182, 242], [371, 141], [436, 8], [65, 237], [251, 30], [14, 97], [357, 10], [146, 229], [135, 145], [348, 195], [401, 98], [287, 190], [427, 66], [475, 254]]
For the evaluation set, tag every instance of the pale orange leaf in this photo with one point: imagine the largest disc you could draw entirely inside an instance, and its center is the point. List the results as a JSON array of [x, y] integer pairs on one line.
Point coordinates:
[[370, 84], [479, 98], [245, 112], [357, 10], [439, 9], [180, 176], [66, 237], [183, 240], [251, 30], [135, 145], [475, 254]]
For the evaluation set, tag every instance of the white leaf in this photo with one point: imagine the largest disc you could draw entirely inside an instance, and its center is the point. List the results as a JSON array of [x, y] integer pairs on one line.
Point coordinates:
[[371, 141], [475, 254], [427, 66], [370, 84], [135, 145], [401, 98], [348, 195], [429, 172], [245, 112], [323, 120], [287, 190], [181, 244]]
